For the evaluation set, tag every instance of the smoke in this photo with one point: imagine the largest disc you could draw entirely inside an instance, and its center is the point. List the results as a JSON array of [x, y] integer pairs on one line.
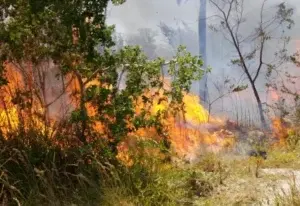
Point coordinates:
[[134, 15]]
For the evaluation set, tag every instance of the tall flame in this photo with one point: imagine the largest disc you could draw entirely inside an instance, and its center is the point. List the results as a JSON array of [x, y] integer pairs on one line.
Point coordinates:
[[18, 104], [187, 131]]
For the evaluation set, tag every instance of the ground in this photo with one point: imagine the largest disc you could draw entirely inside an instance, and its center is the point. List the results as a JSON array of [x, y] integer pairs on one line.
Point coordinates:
[[254, 181]]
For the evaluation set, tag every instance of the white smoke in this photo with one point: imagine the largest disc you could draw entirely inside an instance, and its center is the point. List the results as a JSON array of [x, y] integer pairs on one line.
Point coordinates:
[[138, 14]]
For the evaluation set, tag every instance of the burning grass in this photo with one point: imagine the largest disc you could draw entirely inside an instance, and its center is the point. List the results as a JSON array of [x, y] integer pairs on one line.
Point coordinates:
[[44, 174], [43, 162], [88, 175]]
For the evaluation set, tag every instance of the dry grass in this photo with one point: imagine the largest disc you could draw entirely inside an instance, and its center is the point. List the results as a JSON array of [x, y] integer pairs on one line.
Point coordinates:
[[35, 172], [243, 187], [292, 198]]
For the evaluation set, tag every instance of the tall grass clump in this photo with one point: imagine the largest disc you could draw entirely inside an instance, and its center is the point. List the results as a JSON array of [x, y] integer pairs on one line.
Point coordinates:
[[35, 171], [149, 180]]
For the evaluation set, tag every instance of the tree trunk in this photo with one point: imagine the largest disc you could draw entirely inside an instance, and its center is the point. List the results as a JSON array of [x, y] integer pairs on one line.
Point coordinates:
[[83, 111], [246, 70], [260, 106]]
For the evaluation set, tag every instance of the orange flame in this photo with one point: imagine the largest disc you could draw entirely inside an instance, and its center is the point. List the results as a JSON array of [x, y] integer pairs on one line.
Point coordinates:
[[281, 130], [17, 102], [186, 131]]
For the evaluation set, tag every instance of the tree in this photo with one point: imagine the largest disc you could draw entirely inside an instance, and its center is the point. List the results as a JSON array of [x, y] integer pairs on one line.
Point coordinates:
[[35, 34], [68, 33], [252, 47], [285, 101], [202, 40]]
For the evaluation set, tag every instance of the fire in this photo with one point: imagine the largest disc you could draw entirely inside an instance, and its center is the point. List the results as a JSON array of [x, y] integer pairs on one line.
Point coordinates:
[[18, 104], [187, 130], [281, 130], [8, 120]]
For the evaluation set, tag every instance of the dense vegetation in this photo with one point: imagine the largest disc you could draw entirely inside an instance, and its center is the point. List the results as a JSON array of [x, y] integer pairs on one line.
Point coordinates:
[[62, 161], [80, 158]]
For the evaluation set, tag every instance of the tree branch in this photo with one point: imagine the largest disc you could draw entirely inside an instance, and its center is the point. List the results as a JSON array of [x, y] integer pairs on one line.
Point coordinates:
[[235, 42], [262, 43], [93, 75], [61, 94]]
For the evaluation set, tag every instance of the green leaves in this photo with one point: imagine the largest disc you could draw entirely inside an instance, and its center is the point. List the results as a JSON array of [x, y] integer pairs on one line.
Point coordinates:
[[117, 2], [78, 116], [116, 108], [240, 88], [41, 29], [68, 32], [284, 15], [270, 69], [184, 69], [236, 62]]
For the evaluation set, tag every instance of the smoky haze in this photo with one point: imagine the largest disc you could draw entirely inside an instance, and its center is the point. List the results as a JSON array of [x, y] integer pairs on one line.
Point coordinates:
[[137, 19]]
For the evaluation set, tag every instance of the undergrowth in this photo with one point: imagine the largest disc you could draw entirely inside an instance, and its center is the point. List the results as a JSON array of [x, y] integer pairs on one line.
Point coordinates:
[[34, 171]]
